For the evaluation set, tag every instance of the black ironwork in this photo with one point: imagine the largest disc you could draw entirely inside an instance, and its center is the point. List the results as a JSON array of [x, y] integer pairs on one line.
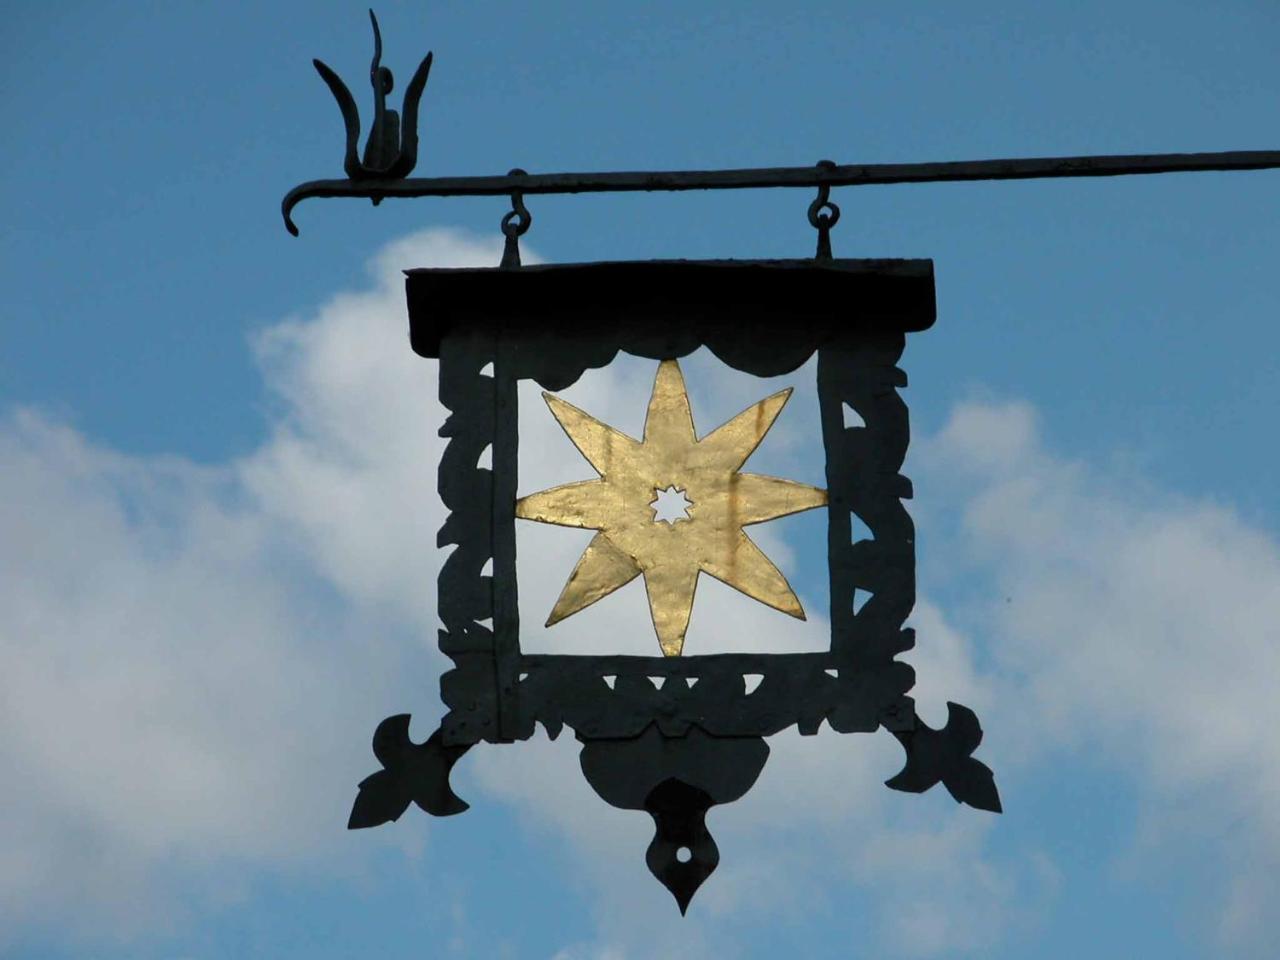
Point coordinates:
[[674, 748], [823, 215], [849, 175], [391, 152], [515, 225]]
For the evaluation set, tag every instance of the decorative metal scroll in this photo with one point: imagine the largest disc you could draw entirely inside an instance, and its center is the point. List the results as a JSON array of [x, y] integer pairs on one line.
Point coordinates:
[[391, 152], [675, 750]]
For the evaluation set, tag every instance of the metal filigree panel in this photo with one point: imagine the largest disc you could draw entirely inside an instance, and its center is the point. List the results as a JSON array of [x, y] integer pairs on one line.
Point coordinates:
[[676, 749]]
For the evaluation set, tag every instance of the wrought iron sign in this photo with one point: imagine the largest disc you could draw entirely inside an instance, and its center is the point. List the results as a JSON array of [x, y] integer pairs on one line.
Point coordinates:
[[679, 731]]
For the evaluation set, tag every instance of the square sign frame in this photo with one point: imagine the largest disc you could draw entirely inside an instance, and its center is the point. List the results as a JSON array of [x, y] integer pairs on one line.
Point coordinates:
[[491, 328]]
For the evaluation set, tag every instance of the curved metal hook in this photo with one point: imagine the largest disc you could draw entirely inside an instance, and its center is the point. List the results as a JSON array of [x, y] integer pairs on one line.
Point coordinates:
[[824, 221], [316, 188], [515, 224]]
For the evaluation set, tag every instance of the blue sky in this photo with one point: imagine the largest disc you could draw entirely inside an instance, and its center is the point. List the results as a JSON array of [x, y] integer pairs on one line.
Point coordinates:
[[216, 555]]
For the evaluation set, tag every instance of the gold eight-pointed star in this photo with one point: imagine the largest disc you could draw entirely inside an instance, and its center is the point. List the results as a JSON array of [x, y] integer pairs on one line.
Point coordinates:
[[632, 539]]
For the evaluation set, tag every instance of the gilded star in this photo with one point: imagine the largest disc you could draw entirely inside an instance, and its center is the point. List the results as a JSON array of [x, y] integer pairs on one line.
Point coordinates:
[[633, 540]]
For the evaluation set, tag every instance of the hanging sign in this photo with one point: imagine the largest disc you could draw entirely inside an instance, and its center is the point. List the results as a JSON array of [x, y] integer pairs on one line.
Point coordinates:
[[678, 731]]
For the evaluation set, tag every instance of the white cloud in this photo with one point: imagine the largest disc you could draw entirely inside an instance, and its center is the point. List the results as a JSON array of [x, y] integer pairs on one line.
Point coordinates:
[[1132, 623], [351, 464], [192, 659], [164, 686]]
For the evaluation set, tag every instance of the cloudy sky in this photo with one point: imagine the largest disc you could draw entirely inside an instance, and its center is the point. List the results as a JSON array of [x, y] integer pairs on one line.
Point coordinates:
[[217, 470]]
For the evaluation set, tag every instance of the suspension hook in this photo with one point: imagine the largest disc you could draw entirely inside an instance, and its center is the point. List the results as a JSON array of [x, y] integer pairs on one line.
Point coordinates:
[[823, 214], [515, 224]]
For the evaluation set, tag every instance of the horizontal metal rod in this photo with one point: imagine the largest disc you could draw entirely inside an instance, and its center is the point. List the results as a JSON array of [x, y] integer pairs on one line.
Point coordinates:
[[854, 175]]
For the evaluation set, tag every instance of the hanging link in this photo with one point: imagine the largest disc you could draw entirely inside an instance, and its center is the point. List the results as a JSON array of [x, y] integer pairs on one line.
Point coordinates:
[[823, 214], [515, 224]]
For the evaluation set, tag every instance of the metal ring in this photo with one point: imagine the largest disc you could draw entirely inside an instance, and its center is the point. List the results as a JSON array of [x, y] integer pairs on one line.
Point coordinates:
[[518, 210], [823, 214]]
